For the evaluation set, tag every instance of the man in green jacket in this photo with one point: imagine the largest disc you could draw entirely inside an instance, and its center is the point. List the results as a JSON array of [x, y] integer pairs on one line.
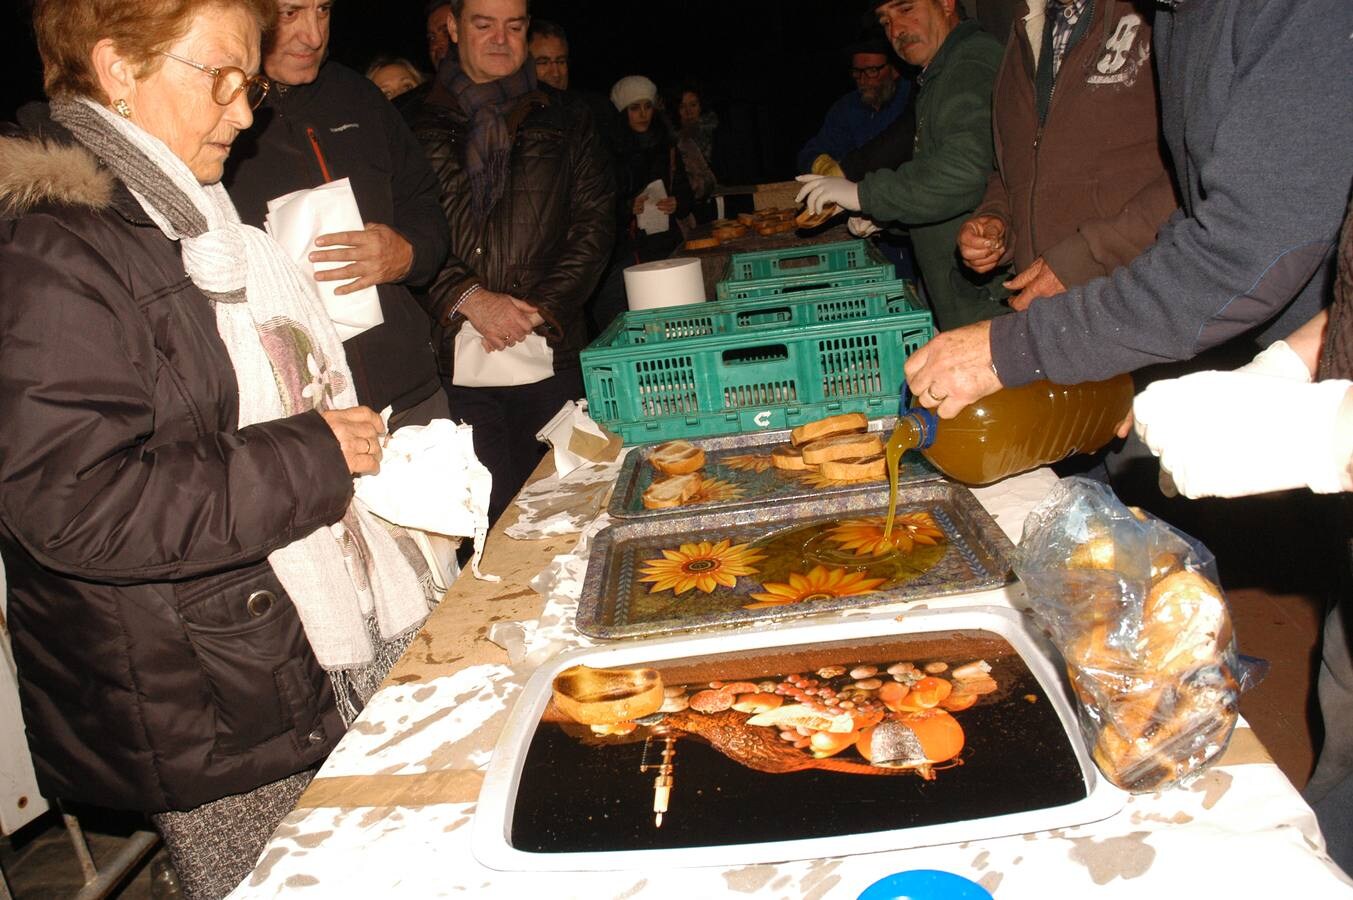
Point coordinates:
[[933, 193]]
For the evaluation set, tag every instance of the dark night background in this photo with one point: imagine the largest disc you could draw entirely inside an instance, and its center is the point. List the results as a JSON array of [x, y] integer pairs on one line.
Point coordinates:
[[770, 68]]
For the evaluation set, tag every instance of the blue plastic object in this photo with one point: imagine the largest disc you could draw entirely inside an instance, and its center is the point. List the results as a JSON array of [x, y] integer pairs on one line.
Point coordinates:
[[924, 884]]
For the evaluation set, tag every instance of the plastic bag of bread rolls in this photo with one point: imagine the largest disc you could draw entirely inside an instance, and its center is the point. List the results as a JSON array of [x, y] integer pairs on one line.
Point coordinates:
[[1135, 609]]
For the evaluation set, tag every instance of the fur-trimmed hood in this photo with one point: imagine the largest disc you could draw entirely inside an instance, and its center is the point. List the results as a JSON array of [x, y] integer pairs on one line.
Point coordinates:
[[42, 163], [37, 170]]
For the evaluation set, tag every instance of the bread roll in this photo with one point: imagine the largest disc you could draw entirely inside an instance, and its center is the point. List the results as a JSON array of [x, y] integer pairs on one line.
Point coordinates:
[[846, 423], [701, 243], [676, 457], [1185, 624], [842, 446]]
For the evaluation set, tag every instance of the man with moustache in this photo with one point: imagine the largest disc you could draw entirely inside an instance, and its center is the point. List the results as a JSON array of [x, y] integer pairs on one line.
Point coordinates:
[[322, 122], [529, 195], [933, 193]]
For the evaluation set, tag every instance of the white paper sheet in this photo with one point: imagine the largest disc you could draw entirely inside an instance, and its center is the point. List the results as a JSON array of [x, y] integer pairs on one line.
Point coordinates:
[[653, 220], [294, 220]]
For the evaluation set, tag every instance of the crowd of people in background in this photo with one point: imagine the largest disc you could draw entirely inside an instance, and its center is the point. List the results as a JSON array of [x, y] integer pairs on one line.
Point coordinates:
[[1109, 188]]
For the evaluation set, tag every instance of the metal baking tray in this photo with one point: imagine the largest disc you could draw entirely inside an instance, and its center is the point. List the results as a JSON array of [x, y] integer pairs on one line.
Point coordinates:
[[712, 569], [559, 796], [739, 466]]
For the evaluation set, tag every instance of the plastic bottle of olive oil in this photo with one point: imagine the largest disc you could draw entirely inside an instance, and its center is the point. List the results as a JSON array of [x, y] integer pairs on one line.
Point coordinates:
[[1016, 429]]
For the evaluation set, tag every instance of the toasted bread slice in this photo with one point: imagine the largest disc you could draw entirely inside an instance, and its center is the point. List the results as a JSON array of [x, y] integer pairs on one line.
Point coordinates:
[[672, 491], [846, 423], [861, 468], [806, 219], [676, 457], [789, 458], [842, 446]]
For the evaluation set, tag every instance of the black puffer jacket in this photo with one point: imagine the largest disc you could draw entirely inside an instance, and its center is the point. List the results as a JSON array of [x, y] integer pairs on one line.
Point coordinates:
[[548, 238], [161, 664]]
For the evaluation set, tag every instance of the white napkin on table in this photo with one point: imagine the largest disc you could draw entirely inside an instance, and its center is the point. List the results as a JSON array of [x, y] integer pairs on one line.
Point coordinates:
[[431, 480]]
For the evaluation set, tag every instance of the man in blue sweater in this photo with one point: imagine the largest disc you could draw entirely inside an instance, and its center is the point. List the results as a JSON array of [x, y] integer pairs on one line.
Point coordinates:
[[879, 97], [1255, 108]]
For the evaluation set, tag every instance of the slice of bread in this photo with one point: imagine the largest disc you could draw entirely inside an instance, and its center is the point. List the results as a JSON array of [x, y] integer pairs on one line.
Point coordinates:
[[672, 491], [789, 458], [846, 423], [861, 468], [676, 457], [806, 219], [842, 446]]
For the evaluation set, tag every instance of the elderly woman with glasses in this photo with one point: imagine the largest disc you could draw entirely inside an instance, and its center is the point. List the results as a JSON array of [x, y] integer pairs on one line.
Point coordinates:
[[197, 604]]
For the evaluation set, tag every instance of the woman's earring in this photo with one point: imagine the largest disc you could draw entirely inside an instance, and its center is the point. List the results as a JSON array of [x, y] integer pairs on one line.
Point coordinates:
[[122, 108]]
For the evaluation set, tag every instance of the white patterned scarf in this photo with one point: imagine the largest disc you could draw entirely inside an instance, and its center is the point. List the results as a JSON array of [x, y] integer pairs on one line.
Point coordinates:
[[287, 360]]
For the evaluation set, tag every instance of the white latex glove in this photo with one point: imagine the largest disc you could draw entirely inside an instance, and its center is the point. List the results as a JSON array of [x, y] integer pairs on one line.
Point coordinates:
[[1279, 360], [861, 226], [1228, 434], [819, 191]]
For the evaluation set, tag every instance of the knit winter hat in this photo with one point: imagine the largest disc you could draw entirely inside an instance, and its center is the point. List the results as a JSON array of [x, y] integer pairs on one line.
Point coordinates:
[[632, 89]]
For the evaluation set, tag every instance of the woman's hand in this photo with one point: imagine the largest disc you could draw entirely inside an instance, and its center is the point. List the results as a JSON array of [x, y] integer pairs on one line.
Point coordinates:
[[667, 205], [639, 202], [502, 319], [358, 430]]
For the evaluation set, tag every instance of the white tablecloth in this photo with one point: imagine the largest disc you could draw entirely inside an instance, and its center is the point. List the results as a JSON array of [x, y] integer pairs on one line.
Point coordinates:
[[1240, 831]]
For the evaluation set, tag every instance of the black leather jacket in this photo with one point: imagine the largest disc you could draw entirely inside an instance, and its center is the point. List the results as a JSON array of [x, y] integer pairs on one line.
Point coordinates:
[[549, 237]]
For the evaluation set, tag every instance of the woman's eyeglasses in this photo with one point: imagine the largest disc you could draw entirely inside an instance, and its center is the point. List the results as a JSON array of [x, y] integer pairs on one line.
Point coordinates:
[[228, 81]]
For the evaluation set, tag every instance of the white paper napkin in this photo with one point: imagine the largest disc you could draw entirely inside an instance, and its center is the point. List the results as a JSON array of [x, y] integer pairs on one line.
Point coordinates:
[[431, 480], [294, 220]]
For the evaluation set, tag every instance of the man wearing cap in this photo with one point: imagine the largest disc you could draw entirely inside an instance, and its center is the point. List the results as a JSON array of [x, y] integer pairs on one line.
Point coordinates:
[[934, 192], [323, 122], [879, 97], [528, 193]]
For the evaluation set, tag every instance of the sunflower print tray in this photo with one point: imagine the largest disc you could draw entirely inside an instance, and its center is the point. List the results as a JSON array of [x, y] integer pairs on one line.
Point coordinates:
[[738, 473], [694, 570]]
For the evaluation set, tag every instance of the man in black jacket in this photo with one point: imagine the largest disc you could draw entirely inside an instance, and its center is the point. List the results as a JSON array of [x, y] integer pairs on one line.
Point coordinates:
[[527, 189], [321, 122]]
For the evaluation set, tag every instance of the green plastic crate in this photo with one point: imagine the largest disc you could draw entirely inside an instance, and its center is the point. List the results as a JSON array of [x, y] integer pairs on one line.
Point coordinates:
[[802, 260], [793, 269], [882, 298], [738, 380]]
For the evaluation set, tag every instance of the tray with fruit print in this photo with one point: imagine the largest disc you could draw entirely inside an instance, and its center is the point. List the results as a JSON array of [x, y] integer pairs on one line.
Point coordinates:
[[803, 741], [740, 471], [698, 570]]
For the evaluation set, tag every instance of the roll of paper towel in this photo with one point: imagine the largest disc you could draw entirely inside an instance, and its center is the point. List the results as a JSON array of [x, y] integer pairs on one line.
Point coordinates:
[[665, 282]]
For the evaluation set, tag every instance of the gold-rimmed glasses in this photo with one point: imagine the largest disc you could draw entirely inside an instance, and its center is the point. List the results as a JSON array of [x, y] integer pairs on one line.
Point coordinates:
[[228, 81]]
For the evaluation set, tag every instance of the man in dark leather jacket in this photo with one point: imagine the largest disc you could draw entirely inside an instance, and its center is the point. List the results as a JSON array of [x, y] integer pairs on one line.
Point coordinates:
[[528, 194]]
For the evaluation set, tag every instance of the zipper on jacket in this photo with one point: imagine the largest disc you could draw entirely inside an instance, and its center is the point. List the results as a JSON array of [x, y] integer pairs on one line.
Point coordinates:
[[319, 154]]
